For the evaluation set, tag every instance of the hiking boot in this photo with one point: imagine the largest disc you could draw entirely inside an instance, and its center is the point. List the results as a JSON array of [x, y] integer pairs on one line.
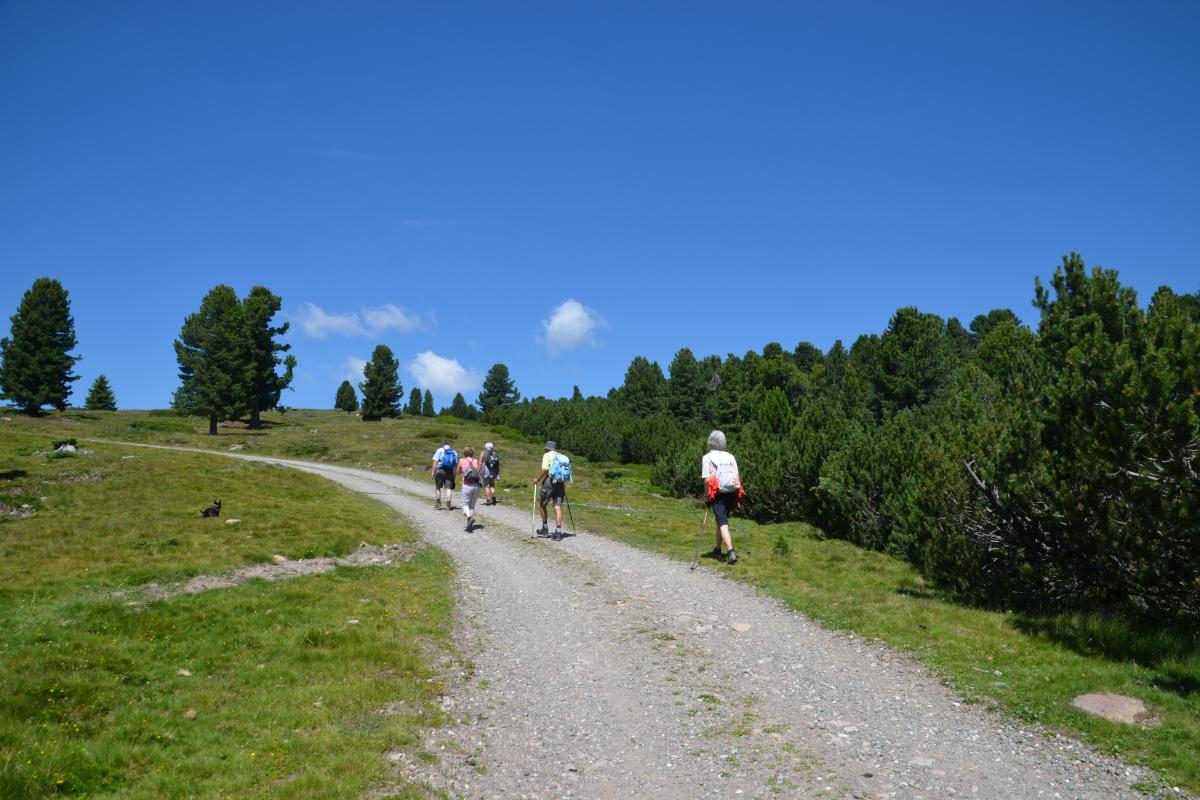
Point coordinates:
[[470, 523], [543, 531], [557, 534], [716, 553], [437, 505], [731, 558]]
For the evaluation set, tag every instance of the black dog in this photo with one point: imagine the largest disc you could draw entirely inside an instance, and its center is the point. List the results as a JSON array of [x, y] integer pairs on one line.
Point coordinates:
[[212, 511]]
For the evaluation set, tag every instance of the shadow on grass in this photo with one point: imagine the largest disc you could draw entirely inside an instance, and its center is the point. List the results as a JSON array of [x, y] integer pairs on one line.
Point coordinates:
[[13, 474], [1174, 652]]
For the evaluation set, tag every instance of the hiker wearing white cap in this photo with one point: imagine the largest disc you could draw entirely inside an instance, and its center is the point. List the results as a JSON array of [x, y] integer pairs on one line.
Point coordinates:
[[442, 472], [490, 472], [556, 471]]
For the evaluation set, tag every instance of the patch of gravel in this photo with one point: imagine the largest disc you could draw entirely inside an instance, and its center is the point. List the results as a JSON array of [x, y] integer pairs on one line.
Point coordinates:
[[605, 671], [282, 568]]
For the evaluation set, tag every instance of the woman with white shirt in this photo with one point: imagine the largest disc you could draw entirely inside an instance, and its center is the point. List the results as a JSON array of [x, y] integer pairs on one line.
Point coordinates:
[[722, 490]]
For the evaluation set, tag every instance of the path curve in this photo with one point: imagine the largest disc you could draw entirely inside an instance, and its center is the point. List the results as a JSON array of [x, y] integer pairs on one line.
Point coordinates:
[[603, 671]]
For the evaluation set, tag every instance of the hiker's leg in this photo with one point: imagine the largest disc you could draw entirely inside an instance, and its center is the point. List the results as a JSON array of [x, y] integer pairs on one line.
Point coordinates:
[[724, 537], [721, 515], [542, 500]]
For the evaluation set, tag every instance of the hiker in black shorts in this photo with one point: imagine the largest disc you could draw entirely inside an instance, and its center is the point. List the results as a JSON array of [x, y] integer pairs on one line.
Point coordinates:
[[722, 490], [442, 472]]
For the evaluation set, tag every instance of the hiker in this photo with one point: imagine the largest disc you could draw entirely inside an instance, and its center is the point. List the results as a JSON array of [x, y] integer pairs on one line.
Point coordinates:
[[442, 471], [556, 471], [490, 472], [722, 490], [469, 467]]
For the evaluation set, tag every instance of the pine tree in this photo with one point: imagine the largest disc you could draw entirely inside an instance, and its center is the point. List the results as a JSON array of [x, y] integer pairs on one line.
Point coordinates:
[[413, 408], [427, 405], [685, 389], [459, 408], [346, 399], [100, 396], [499, 390], [266, 386], [381, 388], [214, 368], [35, 368], [644, 390]]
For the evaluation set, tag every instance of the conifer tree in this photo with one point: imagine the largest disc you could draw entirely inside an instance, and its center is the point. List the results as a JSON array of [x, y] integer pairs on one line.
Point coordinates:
[[459, 408], [100, 396], [381, 388], [685, 389], [35, 365], [644, 389], [427, 404], [414, 403], [499, 390], [266, 385], [212, 349], [346, 399]]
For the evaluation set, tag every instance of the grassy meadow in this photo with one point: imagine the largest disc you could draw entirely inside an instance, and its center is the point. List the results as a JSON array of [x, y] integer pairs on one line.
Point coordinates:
[[267, 689], [1028, 667]]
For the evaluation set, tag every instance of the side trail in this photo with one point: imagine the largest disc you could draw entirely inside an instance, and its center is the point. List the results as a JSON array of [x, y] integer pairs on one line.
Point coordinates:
[[602, 671]]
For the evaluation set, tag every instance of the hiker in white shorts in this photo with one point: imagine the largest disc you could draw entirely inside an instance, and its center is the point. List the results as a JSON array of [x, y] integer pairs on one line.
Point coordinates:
[[468, 467]]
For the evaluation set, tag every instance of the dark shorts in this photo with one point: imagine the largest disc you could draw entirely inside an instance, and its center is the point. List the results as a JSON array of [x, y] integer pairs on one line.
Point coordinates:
[[489, 482], [553, 492], [721, 505], [443, 479]]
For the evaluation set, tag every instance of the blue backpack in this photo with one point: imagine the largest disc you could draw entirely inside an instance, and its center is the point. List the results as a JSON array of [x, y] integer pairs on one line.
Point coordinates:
[[449, 459], [560, 468]]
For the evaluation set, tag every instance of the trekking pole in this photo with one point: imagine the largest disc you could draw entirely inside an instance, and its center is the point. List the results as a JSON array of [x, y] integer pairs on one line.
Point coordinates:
[[696, 555], [570, 514], [533, 512]]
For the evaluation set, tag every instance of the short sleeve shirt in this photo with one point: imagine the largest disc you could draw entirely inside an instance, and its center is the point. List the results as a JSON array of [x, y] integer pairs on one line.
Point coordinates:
[[547, 460], [437, 456]]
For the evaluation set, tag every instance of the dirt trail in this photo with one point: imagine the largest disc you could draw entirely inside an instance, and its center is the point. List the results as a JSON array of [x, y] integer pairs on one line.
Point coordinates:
[[602, 671]]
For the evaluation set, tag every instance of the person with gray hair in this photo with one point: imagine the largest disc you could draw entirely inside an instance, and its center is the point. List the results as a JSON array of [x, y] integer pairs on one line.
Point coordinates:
[[722, 490]]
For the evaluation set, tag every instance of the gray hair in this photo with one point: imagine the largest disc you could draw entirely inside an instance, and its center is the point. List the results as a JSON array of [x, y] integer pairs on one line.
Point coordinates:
[[716, 441]]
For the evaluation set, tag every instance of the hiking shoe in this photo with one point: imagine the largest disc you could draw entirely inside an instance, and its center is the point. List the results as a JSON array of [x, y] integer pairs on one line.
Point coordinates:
[[557, 535], [437, 505], [731, 558], [716, 552], [543, 531]]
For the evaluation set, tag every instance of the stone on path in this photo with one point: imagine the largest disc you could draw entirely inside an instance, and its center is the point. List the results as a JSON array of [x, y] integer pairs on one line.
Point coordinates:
[[1115, 708], [740, 627]]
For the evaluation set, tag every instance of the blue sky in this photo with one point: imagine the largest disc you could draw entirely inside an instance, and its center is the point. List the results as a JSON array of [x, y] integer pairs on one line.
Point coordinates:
[[563, 186]]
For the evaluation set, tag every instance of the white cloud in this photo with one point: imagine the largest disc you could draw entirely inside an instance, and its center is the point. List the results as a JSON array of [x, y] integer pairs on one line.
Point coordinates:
[[389, 316], [318, 323], [352, 369], [443, 376], [571, 325]]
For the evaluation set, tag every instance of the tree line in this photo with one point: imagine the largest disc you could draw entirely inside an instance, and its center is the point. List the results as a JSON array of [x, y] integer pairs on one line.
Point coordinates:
[[1043, 469], [382, 390]]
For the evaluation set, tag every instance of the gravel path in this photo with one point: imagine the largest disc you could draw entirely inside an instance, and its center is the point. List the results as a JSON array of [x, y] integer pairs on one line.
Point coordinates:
[[601, 671]]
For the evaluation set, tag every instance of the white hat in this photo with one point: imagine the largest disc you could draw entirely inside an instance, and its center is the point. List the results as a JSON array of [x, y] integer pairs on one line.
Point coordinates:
[[489, 446]]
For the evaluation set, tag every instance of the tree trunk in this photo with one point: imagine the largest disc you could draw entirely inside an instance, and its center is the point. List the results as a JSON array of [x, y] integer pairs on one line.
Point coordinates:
[[212, 424], [255, 422]]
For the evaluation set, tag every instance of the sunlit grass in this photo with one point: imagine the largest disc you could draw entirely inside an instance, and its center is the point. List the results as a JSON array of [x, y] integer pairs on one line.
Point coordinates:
[[1042, 662], [267, 688]]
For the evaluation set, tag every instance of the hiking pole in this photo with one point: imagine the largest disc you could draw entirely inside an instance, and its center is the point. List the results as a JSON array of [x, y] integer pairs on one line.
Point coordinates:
[[696, 555], [570, 514], [533, 512]]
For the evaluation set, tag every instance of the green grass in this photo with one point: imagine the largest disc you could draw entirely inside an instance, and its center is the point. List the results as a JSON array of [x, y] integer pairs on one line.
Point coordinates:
[[286, 691], [1043, 662]]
